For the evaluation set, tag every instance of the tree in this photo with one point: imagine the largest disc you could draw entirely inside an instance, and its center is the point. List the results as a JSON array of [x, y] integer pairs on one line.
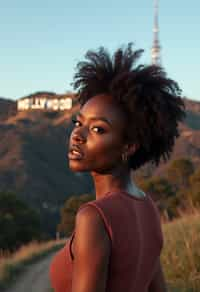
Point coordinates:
[[162, 193], [157, 187], [69, 210], [19, 223], [193, 193], [179, 172]]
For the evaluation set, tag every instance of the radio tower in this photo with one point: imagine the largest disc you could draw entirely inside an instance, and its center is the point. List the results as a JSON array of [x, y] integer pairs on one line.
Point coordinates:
[[155, 51]]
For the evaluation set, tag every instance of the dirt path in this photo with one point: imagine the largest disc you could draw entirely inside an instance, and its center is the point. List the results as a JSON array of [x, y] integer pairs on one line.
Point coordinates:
[[35, 278]]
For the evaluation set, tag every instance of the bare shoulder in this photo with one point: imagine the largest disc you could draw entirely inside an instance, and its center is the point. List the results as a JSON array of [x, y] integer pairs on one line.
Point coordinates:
[[92, 251], [87, 211], [91, 236], [89, 221]]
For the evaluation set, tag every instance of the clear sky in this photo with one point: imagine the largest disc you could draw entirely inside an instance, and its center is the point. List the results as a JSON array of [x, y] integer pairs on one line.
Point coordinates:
[[41, 41]]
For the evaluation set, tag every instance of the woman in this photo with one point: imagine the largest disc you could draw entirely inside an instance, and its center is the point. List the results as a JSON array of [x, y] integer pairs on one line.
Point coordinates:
[[129, 116]]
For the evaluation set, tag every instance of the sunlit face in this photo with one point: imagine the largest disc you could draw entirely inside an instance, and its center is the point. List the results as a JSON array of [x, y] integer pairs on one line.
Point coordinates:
[[97, 136]]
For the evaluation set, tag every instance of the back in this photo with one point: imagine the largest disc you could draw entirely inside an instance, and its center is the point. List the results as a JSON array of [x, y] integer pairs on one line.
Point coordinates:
[[133, 225]]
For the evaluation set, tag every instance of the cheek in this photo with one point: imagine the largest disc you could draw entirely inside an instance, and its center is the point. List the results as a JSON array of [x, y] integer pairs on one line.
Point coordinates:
[[102, 154], [105, 150]]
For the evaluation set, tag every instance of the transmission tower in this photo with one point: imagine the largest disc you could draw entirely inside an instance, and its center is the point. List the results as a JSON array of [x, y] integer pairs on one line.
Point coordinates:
[[156, 48]]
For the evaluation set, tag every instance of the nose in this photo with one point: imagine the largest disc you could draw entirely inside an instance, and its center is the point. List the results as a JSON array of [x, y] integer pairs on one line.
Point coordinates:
[[78, 136]]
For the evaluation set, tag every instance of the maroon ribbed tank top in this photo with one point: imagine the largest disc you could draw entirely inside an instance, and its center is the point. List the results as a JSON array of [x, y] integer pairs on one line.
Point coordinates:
[[133, 225]]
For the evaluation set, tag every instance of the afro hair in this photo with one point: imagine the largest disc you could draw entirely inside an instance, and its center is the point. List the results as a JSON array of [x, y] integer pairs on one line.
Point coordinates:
[[152, 102]]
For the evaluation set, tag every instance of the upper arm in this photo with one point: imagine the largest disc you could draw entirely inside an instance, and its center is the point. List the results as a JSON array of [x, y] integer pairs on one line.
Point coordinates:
[[91, 252], [158, 282]]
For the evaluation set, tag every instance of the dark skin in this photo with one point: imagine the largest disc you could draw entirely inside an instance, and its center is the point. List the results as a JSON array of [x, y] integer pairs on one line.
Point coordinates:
[[99, 133]]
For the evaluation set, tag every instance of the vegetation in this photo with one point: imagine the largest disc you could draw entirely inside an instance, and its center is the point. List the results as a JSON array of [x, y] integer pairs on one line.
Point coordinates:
[[176, 190], [194, 192], [180, 256], [178, 198], [34, 164], [8, 108], [173, 193], [179, 172], [42, 179], [193, 120], [11, 264], [68, 212], [181, 253], [19, 223]]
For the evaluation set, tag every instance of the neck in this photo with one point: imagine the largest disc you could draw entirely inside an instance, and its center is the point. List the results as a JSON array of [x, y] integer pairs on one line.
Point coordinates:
[[117, 180]]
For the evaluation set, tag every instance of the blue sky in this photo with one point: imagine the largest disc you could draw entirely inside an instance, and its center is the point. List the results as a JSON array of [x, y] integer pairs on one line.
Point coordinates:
[[41, 41]]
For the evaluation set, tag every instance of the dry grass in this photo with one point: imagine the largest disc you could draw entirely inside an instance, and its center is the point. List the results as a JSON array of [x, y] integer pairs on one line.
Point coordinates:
[[12, 264], [180, 256], [181, 253]]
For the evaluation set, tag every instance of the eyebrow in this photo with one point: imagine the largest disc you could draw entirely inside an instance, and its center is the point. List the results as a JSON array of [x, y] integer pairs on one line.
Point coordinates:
[[96, 119]]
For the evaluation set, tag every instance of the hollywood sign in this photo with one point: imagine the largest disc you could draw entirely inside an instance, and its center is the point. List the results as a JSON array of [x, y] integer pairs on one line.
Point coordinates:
[[45, 104]]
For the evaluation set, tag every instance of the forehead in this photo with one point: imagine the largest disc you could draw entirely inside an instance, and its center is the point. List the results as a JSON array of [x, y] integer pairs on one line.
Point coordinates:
[[104, 106]]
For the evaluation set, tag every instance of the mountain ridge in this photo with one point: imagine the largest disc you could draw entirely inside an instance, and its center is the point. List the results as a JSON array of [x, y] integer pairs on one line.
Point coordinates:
[[33, 156]]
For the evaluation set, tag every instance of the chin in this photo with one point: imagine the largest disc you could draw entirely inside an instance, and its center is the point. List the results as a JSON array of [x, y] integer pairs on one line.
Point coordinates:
[[75, 166]]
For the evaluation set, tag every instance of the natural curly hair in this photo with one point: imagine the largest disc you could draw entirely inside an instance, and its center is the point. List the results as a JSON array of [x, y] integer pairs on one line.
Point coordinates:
[[151, 101]]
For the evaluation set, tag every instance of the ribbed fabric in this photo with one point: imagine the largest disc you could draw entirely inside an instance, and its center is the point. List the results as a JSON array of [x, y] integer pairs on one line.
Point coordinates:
[[133, 225]]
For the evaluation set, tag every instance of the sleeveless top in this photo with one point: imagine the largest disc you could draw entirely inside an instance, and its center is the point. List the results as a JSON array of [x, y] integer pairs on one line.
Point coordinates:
[[133, 225]]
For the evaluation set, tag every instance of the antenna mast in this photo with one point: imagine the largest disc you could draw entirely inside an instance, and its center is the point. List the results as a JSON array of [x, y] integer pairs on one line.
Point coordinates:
[[156, 48]]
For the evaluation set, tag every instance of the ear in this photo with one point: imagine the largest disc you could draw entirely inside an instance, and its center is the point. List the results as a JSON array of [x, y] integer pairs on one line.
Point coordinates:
[[130, 148]]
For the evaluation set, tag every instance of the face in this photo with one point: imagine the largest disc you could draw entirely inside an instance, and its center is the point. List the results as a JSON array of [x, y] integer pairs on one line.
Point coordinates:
[[96, 142]]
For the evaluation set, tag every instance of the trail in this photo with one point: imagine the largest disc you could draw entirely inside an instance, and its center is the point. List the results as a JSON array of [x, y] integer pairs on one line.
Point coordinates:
[[35, 278]]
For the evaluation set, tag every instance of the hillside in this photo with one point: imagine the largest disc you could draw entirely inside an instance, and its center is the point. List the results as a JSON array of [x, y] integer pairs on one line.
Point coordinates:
[[187, 144], [33, 160], [8, 108]]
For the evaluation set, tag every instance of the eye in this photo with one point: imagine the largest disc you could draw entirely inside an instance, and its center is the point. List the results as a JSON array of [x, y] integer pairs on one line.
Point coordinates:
[[96, 129], [99, 130], [76, 122]]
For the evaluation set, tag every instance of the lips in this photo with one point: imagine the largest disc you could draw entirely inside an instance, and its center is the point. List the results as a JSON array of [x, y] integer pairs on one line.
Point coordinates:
[[75, 152]]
